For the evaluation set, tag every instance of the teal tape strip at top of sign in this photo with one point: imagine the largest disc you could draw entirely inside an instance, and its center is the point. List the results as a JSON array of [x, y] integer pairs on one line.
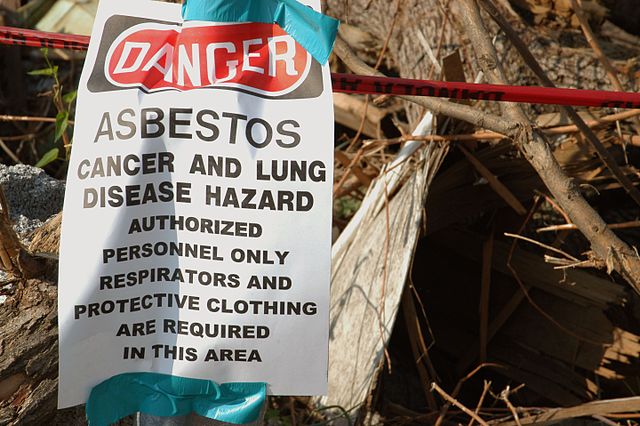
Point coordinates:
[[164, 395], [312, 30]]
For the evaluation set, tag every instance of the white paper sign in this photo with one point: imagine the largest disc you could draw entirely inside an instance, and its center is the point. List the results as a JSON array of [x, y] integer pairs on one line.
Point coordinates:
[[197, 218]]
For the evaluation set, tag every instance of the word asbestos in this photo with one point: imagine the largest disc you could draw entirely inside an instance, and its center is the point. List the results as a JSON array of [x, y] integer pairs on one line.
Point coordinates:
[[348, 83]]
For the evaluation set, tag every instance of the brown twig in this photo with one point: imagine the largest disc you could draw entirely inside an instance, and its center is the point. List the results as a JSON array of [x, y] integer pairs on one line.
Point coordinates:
[[593, 42], [10, 153], [546, 315], [485, 390], [357, 170], [416, 340], [363, 122], [345, 176], [605, 420], [504, 396], [30, 119], [538, 243], [490, 136], [572, 227], [525, 290], [450, 400], [292, 410], [18, 138], [607, 119], [445, 21], [553, 204], [456, 390]]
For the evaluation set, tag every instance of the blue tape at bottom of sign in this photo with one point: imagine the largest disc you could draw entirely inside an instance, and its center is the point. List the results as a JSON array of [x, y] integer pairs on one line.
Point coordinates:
[[164, 395], [312, 30]]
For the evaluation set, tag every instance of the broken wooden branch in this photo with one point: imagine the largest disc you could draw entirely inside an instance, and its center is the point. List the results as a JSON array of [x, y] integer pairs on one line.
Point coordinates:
[[534, 145]]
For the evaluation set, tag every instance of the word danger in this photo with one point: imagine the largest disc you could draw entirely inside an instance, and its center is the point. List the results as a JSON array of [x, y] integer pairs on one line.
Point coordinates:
[[260, 58]]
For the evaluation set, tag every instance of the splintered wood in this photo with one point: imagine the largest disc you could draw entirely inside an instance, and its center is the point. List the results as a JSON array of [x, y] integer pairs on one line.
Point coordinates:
[[371, 261]]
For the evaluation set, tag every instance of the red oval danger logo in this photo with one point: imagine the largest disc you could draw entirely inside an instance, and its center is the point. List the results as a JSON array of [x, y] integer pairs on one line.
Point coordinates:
[[259, 58]]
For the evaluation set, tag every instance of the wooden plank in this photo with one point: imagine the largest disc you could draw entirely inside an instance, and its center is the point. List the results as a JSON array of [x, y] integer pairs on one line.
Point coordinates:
[[595, 408], [370, 267], [70, 16], [363, 302]]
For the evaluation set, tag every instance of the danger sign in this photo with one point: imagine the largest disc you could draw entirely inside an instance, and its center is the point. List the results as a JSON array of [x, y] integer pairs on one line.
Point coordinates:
[[197, 218], [257, 57]]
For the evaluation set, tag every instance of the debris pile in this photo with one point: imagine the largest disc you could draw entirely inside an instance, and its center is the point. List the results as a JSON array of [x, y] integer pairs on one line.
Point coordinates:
[[485, 263]]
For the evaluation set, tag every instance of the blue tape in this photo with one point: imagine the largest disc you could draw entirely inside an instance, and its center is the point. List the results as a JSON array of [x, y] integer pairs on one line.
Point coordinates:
[[312, 30], [164, 395]]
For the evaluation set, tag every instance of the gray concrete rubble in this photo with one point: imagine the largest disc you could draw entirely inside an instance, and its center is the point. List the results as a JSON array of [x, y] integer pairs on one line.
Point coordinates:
[[33, 196]]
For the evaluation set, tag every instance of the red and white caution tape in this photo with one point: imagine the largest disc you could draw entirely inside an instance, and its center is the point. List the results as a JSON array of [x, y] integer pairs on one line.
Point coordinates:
[[350, 83]]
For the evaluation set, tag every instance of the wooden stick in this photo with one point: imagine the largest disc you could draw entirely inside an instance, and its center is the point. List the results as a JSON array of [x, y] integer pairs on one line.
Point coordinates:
[[485, 390], [606, 421], [418, 346], [612, 118], [538, 243], [593, 42], [571, 226], [449, 399], [456, 390], [504, 396], [10, 153], [28, 118], [602, 408], [484, 135]]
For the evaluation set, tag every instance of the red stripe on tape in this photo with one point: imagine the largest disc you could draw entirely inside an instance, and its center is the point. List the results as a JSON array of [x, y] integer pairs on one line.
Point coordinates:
[[350, 83]]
